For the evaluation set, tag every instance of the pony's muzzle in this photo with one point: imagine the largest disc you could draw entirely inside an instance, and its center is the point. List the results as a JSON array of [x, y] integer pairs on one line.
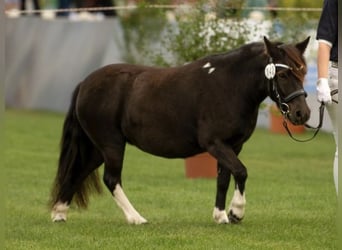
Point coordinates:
[[299, 116]]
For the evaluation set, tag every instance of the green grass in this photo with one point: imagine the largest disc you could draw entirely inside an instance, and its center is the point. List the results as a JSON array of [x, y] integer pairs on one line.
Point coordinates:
[[291, 201]]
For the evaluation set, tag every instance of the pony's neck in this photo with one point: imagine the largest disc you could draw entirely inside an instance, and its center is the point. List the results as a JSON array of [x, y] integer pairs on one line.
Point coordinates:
[[245, 66], [252, 62]]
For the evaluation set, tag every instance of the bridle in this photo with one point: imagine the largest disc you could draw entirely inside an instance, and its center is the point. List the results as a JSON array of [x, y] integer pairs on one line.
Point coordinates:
[[270, 73]]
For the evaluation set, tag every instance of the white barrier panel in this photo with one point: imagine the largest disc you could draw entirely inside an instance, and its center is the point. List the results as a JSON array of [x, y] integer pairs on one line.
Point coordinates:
[[46, 59]]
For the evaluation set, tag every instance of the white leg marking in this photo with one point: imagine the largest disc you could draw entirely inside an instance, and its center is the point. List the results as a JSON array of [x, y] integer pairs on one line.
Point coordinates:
[[220, 216], [132, 216], [59, 212], [237, 205]]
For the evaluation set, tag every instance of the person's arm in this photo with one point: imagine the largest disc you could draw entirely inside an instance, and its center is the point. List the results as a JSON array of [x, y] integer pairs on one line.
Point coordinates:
[[323, 55], [326, 36], [323, 59]]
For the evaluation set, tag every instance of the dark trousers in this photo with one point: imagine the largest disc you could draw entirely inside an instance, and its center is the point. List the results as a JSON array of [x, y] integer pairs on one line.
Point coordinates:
[[35, 4], [64, 4]]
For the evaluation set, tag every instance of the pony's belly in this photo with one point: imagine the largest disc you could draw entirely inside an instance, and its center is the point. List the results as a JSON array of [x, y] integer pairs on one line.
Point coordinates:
[[169, 147], [162, 136], [172, 153]]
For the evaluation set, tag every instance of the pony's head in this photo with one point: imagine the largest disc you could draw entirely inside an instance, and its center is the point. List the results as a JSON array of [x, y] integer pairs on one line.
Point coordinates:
[[285, 72]]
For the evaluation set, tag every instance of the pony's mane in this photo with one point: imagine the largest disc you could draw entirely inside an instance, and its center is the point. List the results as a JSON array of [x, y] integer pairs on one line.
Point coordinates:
[[255, 47], [292, 56]]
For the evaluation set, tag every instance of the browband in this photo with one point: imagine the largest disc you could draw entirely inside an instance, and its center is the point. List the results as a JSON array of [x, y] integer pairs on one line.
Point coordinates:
[[270, 69]]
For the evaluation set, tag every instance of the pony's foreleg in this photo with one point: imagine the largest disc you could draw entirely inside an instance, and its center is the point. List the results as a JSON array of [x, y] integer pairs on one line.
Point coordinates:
[[237, 206], [229, 164], [132, 216], [223, 179], [238, 203]]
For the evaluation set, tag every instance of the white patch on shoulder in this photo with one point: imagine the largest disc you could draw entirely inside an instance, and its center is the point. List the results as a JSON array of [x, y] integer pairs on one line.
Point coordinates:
[[211, 70], [220, 216], [207, 65], [59, 212], [132, 216]]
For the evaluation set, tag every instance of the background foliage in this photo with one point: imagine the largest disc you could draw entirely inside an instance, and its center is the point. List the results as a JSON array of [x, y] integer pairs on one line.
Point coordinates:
[[176, 36]]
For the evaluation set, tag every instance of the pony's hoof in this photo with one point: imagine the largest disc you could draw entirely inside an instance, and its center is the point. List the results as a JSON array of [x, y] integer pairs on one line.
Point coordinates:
[[137, 221], [233, 218], [220, 216], [59, 212], [58, 217]]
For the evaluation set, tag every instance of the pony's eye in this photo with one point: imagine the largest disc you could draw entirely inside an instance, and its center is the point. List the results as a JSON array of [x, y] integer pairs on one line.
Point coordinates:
[[281, 75]]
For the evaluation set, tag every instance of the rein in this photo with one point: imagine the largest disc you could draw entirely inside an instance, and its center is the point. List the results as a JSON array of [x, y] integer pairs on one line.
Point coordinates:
[[320, 123]]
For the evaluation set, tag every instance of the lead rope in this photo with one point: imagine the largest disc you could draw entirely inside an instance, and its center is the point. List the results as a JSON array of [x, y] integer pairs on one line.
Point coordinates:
[[321, 116]]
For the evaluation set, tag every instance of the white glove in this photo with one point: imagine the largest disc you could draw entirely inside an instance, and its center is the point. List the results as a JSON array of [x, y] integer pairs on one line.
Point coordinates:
[[323, 91]]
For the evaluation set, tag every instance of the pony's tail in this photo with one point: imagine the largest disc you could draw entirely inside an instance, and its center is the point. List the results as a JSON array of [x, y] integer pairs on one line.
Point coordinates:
[[75, 150]]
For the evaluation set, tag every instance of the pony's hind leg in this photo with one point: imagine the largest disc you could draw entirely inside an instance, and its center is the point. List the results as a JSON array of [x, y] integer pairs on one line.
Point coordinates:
[[112, 179], [132, 216], [76, 174], [75, 186], [59, 211]]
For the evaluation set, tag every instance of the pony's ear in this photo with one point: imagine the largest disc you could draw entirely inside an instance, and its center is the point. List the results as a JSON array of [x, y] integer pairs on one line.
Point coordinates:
[[271, 49], [301, 46]]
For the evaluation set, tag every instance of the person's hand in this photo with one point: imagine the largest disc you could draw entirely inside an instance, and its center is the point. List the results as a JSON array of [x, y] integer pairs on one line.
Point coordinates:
[[323, 91]]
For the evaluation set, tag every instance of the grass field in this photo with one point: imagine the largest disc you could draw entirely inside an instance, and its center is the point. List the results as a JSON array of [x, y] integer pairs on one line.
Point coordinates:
[[291, 201]]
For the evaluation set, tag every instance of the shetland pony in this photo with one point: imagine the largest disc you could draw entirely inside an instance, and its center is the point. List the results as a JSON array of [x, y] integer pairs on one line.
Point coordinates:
[[210, 105]]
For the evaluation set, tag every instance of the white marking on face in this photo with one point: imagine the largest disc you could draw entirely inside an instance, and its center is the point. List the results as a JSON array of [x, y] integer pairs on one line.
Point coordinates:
[[220, 216], [237, 205], [207, 65], [59, 212], [132, 216], [211, 70]]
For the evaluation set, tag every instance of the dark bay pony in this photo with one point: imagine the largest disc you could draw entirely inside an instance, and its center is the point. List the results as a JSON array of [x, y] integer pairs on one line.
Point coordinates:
[[208, 105]]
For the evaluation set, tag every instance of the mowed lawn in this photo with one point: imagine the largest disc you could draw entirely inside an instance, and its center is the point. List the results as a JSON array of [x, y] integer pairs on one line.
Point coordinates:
[[291, 200]]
